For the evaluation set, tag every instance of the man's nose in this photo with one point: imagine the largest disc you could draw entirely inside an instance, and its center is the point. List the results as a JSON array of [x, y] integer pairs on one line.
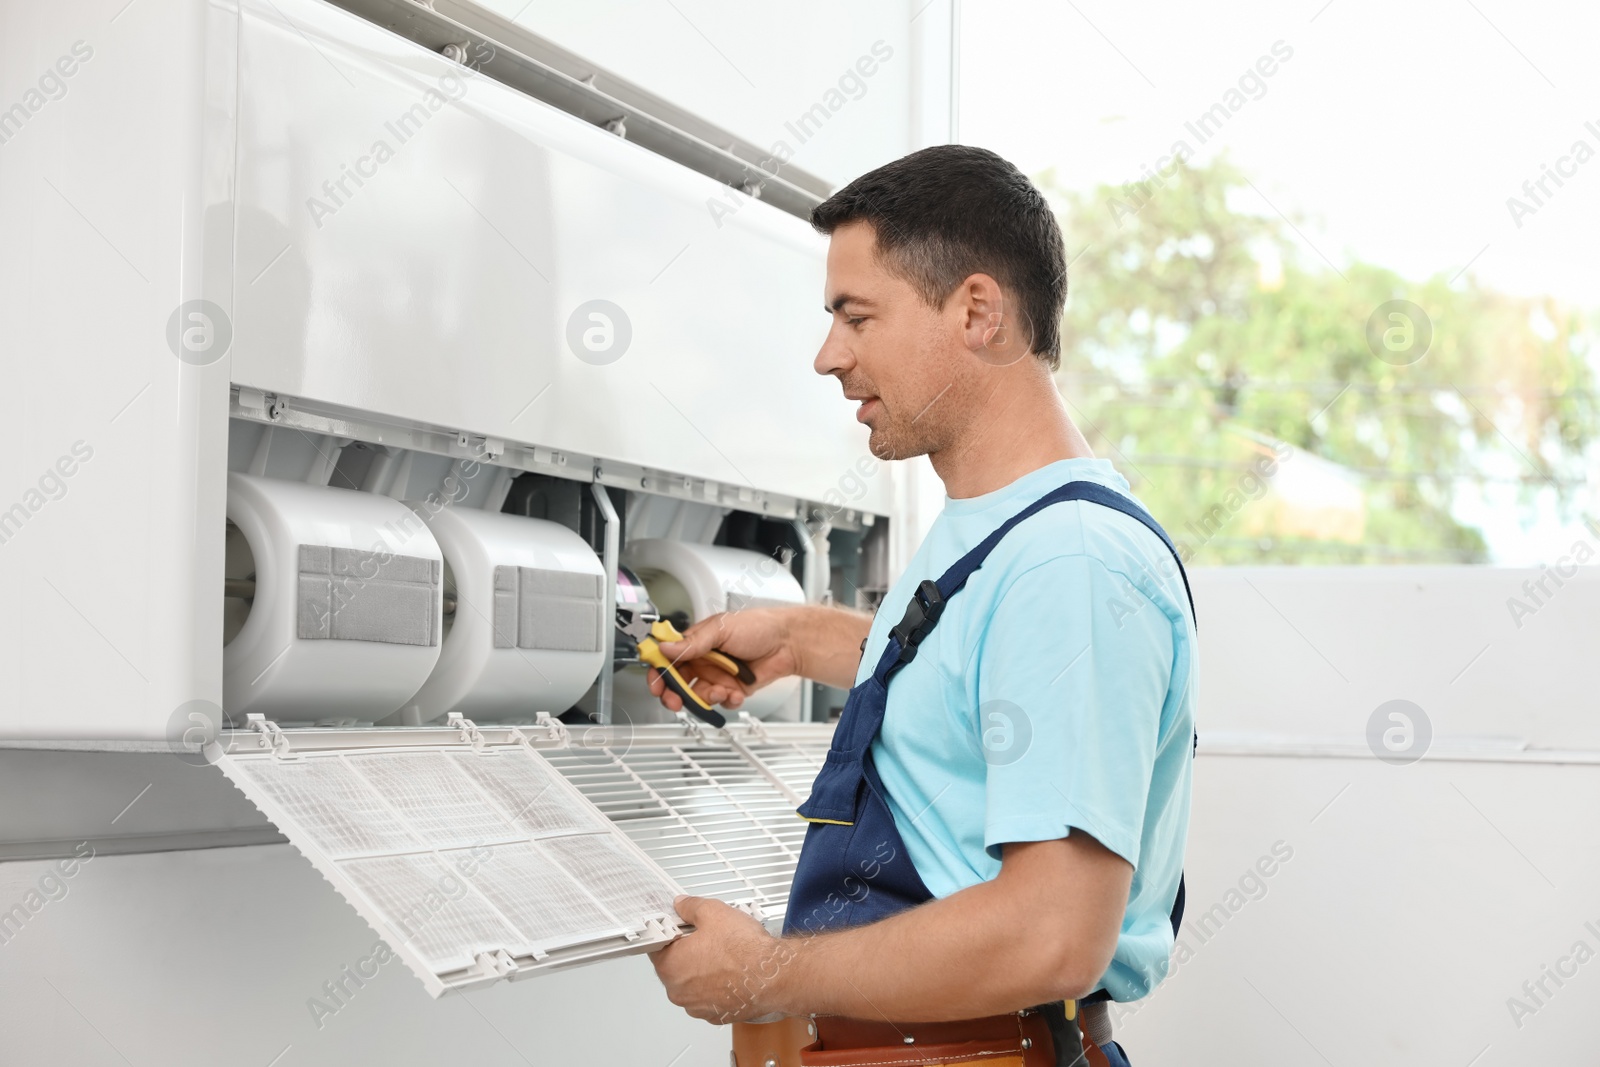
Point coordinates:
[[834, 356]]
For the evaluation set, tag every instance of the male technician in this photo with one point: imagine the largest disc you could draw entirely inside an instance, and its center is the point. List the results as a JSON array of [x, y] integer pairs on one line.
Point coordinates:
[[997, 836]]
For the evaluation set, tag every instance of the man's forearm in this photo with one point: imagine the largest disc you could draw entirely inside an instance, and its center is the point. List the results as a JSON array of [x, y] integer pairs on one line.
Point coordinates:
[[826, 642], [998, 946], [956, 958]]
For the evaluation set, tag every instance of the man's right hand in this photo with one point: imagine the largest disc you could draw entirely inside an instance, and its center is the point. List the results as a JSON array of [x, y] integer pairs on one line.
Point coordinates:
[[819, 641], [759, 636]]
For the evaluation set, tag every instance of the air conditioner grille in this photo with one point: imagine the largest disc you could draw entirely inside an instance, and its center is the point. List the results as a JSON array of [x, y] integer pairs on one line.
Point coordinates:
[[486, 853], [473, 861], [712, 811]]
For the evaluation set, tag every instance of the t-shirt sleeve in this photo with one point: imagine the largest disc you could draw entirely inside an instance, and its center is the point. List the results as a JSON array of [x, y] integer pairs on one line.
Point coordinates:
[[1072, 677]]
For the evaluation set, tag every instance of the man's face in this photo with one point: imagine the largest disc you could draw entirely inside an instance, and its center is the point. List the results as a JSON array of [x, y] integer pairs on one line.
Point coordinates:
[[900, 359]]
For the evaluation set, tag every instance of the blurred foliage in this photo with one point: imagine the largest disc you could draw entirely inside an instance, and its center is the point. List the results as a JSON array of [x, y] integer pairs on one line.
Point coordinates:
[[1200, 323]]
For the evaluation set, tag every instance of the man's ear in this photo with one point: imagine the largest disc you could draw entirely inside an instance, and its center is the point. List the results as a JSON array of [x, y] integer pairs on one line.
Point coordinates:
[[989, 323], [981, 307]]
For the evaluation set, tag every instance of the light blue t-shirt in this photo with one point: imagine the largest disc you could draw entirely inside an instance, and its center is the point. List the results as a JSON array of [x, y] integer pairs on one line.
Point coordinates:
[[1056, 694]]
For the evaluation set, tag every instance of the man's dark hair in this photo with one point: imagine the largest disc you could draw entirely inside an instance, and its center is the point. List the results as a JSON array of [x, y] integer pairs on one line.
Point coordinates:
[[948, 212]]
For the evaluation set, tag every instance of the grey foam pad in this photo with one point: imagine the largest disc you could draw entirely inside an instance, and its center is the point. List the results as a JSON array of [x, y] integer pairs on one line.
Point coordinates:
[[347, 594], [505, 607], [546, 609]]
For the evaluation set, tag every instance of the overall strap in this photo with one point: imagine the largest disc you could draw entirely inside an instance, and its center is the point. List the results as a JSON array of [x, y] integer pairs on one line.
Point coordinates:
[[927, 604]]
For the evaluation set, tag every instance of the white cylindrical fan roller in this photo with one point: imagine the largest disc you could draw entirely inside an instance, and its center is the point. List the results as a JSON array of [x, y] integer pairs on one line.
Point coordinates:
[[702, 580], [346, 617], [526, 633]]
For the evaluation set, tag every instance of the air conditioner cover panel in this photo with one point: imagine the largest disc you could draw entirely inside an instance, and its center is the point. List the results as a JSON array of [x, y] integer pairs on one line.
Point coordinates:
[[474, 863], [481, 855]]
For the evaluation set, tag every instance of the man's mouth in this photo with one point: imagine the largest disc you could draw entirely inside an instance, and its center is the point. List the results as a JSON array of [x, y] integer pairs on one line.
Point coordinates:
[[868, 406]]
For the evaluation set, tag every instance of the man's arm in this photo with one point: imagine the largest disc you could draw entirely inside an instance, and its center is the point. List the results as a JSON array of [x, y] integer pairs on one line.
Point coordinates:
[[1043, 930], [815, 641]]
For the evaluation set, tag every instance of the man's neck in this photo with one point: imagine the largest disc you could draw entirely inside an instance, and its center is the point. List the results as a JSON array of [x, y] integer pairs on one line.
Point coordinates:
[[1017, 432]]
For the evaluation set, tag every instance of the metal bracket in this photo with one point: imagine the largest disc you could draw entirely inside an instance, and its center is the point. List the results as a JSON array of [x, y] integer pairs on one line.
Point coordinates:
[[692, 726], [496, 964], [478, 446], [271, 736], [469, 730], [659, 928], [758, 730], [555, 729]]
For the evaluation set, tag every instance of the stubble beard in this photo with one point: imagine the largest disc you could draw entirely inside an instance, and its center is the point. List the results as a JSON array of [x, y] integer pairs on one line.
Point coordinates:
[[889, 440]]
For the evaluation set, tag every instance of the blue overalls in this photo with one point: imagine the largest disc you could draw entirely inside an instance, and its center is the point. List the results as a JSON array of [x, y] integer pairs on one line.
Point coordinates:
[[853, 867]]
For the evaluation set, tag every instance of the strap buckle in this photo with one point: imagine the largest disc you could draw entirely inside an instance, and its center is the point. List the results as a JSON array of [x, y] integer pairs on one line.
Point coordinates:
[[922, 612]]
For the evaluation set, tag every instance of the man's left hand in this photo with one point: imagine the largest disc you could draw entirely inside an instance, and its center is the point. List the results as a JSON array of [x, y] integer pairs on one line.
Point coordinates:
[[726, 970]]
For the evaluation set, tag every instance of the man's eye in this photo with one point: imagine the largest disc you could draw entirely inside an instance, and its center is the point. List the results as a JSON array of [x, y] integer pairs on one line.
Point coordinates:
[[855, 321]]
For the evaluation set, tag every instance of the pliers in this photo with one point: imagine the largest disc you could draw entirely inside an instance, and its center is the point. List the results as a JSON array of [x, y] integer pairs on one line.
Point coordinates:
[[646, 629]]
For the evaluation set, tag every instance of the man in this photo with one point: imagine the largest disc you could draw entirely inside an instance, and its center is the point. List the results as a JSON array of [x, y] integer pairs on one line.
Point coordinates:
[[1000, 825]]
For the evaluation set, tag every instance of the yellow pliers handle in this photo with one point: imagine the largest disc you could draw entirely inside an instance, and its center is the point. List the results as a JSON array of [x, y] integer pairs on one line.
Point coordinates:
[[650, 652]]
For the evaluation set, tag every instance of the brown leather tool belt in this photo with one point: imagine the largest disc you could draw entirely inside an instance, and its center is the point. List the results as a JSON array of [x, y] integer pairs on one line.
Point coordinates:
[[1013, 1040]]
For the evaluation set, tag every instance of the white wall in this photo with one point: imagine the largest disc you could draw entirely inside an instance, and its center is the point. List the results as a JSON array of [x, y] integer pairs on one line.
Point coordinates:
[[1416, 902], [210, 957], [1418, 898], [1313, 650]]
